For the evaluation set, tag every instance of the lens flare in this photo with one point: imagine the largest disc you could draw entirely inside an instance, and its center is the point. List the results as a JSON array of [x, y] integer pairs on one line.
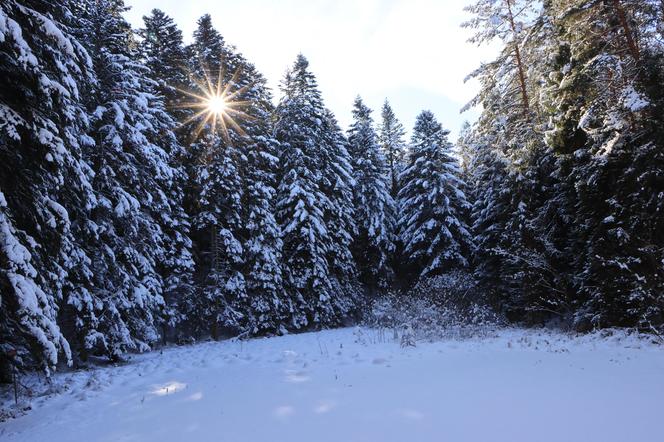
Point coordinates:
[[217, 105]]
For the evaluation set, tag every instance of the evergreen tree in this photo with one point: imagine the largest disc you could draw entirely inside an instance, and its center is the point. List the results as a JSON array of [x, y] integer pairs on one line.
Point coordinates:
[[374, 206], [45, 187], [432, 203], [303, 128], [391, 135], [337, 182], [216, 168], [138, 229], [234, 169], [504, 20], [268, 310], [162, 50], [605, 106]]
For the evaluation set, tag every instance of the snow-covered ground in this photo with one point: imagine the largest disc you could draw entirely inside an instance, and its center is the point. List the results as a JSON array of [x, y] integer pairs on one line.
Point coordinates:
[[331, 386]]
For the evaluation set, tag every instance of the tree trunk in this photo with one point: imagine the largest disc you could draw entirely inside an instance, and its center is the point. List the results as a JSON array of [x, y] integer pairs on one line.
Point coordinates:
[[631, 42], [519, 62]]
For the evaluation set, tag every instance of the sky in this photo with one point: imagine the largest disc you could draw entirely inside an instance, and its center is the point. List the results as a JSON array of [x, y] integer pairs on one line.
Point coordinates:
[[412, 52]]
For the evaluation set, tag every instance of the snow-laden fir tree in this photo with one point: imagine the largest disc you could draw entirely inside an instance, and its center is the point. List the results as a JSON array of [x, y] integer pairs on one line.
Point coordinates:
[[267, 308], [337, 182], [44, 185], [216, 165], [162, 50], [373, 245], [391, 135], [139, 231], [235, 171], [304, 129], [432, 203]]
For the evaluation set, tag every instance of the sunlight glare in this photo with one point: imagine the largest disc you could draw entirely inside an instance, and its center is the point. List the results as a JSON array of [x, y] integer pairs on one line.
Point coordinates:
[[216, 104]]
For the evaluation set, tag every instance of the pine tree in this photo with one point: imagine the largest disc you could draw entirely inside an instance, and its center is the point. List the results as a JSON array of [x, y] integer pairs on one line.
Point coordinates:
[[374, 207], [45, 186], [234, 200], [391, 135], [267, 307], [506, 21], [432, 203], [162, 50], [337, 182], [562, 219]]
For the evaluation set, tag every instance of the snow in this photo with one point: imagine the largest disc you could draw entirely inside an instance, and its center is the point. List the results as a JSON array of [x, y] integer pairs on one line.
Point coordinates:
[[362, 385], [633, 101]]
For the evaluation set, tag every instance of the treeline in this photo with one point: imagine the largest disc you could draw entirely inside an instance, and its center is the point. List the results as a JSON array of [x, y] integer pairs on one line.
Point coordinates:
[[127, 218]]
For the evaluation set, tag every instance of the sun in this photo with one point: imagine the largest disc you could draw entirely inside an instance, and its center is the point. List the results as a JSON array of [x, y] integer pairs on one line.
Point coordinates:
[[217, 105]]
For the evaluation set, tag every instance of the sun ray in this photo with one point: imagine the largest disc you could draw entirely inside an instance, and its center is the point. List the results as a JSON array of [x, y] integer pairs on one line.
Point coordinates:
[[240, 114], [231, 82], [237, 127], [240, 91], [224, 129], [233, 104], [194, 117]]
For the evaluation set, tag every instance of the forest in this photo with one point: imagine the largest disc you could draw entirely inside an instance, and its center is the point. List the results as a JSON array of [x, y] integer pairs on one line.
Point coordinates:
[[154, 192]]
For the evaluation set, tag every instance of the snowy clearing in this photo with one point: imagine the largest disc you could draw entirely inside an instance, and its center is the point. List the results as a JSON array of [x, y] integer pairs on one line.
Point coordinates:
[[331, 386]]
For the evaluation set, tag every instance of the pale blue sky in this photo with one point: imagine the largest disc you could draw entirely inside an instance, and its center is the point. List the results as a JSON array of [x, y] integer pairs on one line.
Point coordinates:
[[412, 52]]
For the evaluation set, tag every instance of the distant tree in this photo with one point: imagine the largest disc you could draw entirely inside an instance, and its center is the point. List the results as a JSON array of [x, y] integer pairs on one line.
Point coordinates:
[[391, 135]]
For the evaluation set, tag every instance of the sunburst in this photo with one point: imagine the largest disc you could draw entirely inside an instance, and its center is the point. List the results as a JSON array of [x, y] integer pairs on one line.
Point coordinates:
[[216, 105]]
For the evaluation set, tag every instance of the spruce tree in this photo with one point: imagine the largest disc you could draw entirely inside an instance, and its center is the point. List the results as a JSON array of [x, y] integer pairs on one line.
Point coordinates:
[[606, 107], [432, 203], [391, 135], [139, 232], [374, 207], [216, 169], [45, 188], [234, 167], [162, 50], [304, 129], [268, 310], [337, 182]]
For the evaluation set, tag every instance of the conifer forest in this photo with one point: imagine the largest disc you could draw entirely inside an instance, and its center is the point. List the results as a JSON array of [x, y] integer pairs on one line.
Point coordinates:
[[156, 195]]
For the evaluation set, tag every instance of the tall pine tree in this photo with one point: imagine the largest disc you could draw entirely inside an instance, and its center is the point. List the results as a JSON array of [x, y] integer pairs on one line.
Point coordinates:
[[391, 135]]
